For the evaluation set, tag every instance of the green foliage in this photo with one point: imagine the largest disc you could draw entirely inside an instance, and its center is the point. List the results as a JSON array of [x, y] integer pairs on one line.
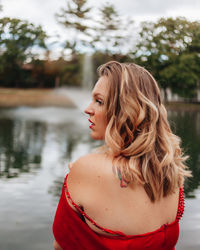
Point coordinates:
[[75, 9], [74, 17], [56, 73], [17, 40], [183, 75], [108, 31], [110, 17], [72, 72], [170, 49]]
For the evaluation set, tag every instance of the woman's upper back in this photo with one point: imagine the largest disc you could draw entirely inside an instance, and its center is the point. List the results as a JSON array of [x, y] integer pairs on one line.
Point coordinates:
[[94, 187]]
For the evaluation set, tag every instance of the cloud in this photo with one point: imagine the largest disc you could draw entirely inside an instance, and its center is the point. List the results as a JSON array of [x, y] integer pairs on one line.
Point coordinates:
[[36, 11], [152, 9]]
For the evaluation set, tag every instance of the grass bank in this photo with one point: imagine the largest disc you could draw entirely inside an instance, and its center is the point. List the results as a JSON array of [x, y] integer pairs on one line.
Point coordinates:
[[33, 97], [183, 106]]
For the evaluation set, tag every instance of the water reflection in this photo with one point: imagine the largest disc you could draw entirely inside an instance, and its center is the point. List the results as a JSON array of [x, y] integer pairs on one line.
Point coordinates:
[[35, 139], [187, 126], [28, 144], [20, 146]]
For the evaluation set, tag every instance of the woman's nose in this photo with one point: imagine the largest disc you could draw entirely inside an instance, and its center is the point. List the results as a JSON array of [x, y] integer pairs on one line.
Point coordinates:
[[89, 110]]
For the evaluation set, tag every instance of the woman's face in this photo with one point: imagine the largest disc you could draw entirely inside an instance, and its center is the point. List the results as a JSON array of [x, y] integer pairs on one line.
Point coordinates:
[[97, 110]]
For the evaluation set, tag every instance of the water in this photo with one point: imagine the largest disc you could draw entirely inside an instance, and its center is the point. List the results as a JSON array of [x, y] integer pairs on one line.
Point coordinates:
[[187, 126], [36, 144]]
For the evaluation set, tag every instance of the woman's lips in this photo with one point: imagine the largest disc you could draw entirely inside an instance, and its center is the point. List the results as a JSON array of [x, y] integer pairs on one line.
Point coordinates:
[[92, 124]]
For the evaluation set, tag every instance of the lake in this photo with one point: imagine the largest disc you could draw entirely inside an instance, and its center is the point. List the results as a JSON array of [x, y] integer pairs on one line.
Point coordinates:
[[36, 145]]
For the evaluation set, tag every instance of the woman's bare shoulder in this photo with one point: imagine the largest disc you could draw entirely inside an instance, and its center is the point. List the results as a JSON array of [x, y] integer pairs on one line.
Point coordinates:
[[89, 164], [86, 175]]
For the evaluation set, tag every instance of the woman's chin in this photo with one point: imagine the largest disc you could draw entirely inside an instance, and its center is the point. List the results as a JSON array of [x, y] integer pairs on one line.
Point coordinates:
[[96, 136]]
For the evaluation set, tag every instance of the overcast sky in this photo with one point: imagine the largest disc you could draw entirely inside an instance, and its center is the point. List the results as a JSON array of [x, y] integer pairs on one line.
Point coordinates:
[[43, 11]]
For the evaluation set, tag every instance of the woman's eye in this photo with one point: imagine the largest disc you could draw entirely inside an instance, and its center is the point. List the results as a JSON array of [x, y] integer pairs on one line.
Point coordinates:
[[99, 102]]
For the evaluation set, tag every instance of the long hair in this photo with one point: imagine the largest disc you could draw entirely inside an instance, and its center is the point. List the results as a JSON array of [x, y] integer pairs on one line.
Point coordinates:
[[138, 134]]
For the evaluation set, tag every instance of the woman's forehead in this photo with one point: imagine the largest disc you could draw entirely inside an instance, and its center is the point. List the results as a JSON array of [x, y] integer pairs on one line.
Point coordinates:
[[101, 87]]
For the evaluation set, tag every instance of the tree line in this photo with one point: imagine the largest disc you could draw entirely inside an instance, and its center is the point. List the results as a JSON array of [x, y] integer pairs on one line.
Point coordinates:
[[168, 47]]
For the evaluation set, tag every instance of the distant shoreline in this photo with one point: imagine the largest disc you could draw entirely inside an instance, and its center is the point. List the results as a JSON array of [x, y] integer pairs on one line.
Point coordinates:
[[182, 106], [10, 97], [13, 97]]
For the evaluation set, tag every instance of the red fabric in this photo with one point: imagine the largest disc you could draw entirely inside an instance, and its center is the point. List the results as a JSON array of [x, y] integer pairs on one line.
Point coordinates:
[[72, 233]]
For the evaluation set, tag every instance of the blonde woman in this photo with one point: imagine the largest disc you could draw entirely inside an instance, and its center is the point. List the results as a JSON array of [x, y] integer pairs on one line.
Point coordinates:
[[129, 195]]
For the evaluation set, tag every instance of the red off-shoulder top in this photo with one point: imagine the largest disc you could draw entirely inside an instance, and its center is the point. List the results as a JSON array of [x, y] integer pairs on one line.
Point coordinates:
[[72, 233]]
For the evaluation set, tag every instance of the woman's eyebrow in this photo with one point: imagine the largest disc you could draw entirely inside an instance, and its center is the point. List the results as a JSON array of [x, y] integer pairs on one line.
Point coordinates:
[[97, 95]]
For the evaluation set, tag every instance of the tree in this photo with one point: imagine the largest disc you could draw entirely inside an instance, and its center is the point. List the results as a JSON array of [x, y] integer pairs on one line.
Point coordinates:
[[183, 75], [18, 39], [106, 31], [74, 17], [164, 48], [111, 33]]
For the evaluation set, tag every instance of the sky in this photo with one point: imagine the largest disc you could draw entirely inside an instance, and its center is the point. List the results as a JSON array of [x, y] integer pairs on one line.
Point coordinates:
[[43, 11]]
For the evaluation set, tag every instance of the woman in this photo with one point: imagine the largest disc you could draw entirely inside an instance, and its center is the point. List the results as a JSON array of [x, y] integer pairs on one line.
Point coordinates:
[[129, 194]]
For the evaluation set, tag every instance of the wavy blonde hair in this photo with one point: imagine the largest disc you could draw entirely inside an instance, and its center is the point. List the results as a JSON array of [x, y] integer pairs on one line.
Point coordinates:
[[138, 134]]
